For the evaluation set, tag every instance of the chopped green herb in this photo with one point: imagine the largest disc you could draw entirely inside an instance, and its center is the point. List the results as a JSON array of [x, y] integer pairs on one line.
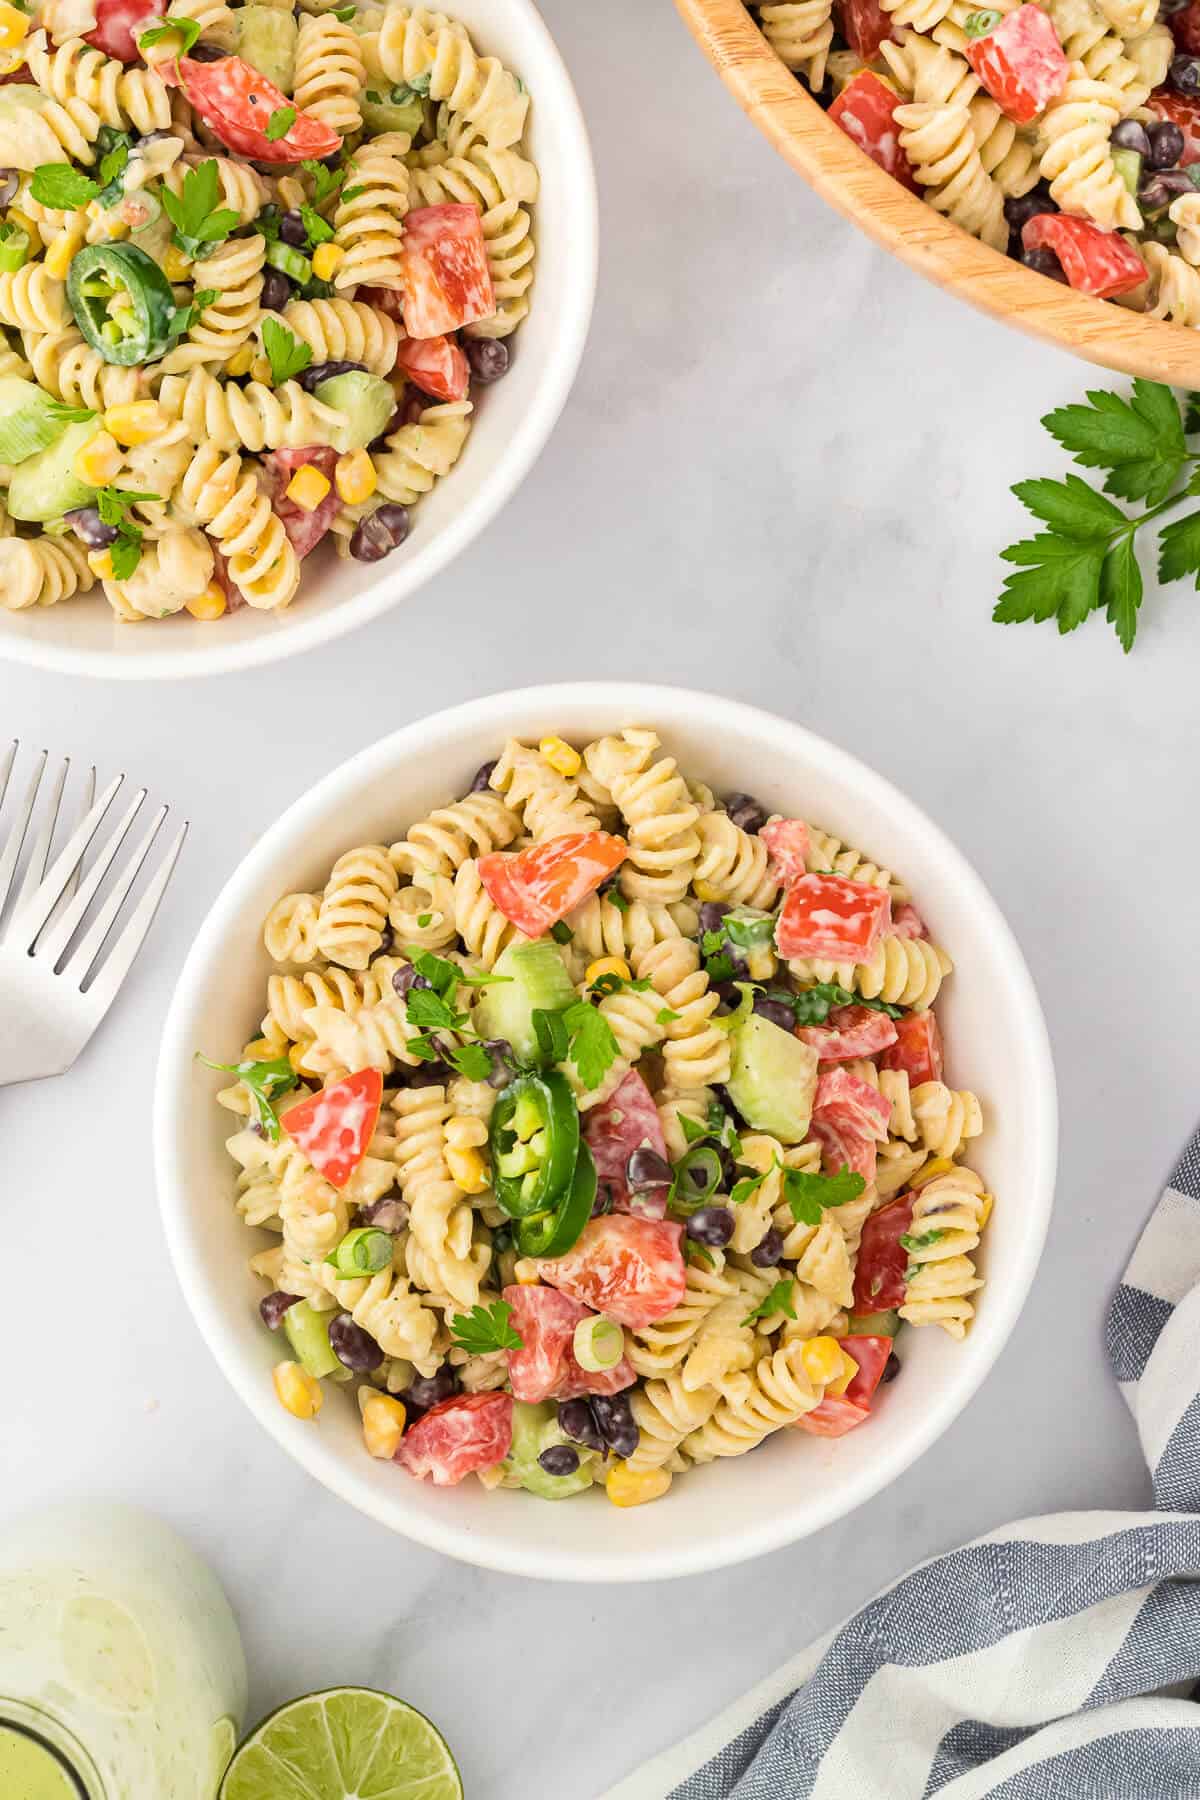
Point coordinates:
[[922, 1240], [352, 193], [325, 181], [749, 1184], [187, 29], [424, 920], [666, 1017], [809, 1195], [200, 224], [62, 187], [280, 123], [561, 932], [264, 1081], [287, 355], [618, 900], [471, 1060], [485, 1329], [70, 415], [319, 230], [779, 1299], [812, 1005]]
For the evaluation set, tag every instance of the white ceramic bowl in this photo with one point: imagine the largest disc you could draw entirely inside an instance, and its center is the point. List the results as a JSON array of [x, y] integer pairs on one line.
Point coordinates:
[[733, 1509], [513, 421]]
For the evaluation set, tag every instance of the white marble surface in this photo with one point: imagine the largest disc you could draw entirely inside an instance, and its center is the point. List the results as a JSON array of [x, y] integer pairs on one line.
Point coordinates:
[[783, 474]]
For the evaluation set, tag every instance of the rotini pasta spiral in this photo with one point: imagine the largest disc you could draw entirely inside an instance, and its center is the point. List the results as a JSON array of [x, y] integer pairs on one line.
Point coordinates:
[[440, 1219], [362, 1037], [345, 331], [418, 455], [550, 804], [1076, 160], [658, 1348], [330, 73], [290, 929], [697, 1051], [1173, 287], [72, 371], [902, 972], [939, 141], [665, 1412], [254, 417], [438, 845], [240, 188], [214, 18], [480, 924], [34, 300], [634, 1021], [221, 494], [354, 907], [733, 865], [800, 34], [948, 1217], [92, 90], [945, 1118], [423, 914], [41, 571], [289, 997], [827, 853], [234, 272], [174, 569], [927, 71], [501, 184], [601, 928], [658, 811], [425, 50], [369, 223], [777, 1392], [394, 1315], [1087, 39]]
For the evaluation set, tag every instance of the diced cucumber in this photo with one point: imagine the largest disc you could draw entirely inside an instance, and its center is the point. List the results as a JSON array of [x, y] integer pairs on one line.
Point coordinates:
[[535, 977], [1128, 165], [880, 1324], [536, 1428], [308, 1334], [366, 401], [27, 422], [396, 109], [45, 486], [266, 39], [773, 1079]]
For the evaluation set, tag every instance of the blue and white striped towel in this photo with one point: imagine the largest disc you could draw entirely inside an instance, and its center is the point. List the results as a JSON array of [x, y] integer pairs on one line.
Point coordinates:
[[1041, 1662]]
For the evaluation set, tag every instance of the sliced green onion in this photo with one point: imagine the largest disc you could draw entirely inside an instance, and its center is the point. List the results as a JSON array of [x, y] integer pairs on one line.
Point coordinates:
[[295, 266], [599, 1344], [749, 930], [561, 932], [14, 248], [697, 1178], [308, 1334], [362, 1252]]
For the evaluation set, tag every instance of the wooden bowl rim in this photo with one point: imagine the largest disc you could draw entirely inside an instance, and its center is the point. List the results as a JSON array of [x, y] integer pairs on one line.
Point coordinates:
[[801, 132]]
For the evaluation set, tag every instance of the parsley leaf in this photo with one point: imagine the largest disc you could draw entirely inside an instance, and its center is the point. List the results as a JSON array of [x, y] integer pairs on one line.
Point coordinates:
[[114, 147], [429, 1011], [1121, 588], [1059, 579], [749, 1184], [287, 355], [319, 230], [1139, 440], [813, 1005], [280, 123], [921, 1240], [62, 187], [344, 14], [779, 1299], [486, 1328], [665, 1017], [1179, 549], [612, 983], [809, 1195], [198, 220], [593, 1045], [472, 1061], [113, 503], [264, 1081], [693, 1252], [187, 29], [125, 552], [325, 181]]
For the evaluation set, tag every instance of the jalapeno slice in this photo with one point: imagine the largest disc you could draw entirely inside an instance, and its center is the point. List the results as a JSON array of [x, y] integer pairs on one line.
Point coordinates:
[[554, 1232], [122, 302], [534, 1139]]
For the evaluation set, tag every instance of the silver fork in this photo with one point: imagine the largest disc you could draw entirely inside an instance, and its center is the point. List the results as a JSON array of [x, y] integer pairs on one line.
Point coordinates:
[[51, 1001]]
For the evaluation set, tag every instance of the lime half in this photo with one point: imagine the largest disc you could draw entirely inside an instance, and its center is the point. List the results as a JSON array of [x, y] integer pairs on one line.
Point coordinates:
[[344, 1744]]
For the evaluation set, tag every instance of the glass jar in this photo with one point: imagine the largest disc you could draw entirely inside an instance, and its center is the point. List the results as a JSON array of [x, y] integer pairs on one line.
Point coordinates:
[[121, 1669]]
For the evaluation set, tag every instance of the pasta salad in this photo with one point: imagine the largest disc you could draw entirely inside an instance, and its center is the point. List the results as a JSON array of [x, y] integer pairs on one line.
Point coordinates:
[[255, 260], [602, 1130], [1064, 133]]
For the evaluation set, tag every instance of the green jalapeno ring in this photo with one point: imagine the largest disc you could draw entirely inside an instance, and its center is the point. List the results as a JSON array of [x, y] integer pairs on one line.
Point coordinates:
[[554, 1232], [534, 1142], [101, 272]]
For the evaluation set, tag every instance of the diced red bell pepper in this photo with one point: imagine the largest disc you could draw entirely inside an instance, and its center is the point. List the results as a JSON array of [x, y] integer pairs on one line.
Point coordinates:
[[451, 1441], [834, 1417], [236, 102], [787, 840], [335, 1126], [627, 1121], [545, 1320], [436, 365], [882, 1259], [917, 1050], [117, 25], [631, 1270], [1182, 110], [305, 528], [871, 1354], [1093, 261], [864, 25], [832, 919], [445, 277], [1020, 62], [866, 111], [537, 887], [851, 1031]]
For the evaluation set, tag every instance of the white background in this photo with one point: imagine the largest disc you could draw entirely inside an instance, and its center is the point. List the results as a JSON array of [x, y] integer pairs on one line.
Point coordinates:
[[783, 474]]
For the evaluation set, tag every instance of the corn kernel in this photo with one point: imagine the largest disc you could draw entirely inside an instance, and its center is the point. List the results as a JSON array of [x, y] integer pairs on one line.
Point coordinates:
[[60, 254], [841, 1382], [467, 1170], [208, 605], [137, 422], [29, 226], [241, 360], [527, 1272], [260, 368], [760, 963], [297, 1391], [559, 754], [100, 563], [704, 890], [176, 264], [99, 461], [13, 25], [355, 477], [986, 1203], [11, 61], [308, 487], [383, 1421], [634, 1487], [937, 1165], [327, 258], [607, 965], [822, 1360]]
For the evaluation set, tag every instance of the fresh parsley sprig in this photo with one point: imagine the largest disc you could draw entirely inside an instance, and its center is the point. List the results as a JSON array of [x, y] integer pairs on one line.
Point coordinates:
[[114, 504], [187, 30], [286, 354], [486, 1328], [200, 224], [444, 1033], [325, 181], [813, 1005], [580, 1033], [264, 1082], [778, 1300], [807, 1194], [1085, 560]]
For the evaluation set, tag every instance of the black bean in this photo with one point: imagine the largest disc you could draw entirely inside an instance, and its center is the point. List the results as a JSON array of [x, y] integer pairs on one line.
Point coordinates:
[[386, 940], [430, 1074], [381, 442], [407, 977], [891, 1369], [502, 1239], [430, 1390], [276, 290], [353, 1346], [207, 53], [711, 1225], [777, 1011], [1154, 194], [10, 180], [746, 812], [483, 777], [559, 1459], [371, 540], [292, 231], [1020, 208], [488, 359], [768, 1251], [396, 520], [711, 914], [1184, 74], [646, 1168], [1045, 262], [274, 1307], [614, 1418], [575, 1420], [89, 527], [1166, 145], [1176, 181], [385, 1215], [504, 1062], [1128, 135], [319, 372]]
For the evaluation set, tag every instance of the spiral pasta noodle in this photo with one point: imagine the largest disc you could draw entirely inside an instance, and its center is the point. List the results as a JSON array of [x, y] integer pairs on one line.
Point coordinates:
[[1173, 288], [290, 929], [666, 1413], [733, 865], [92, 90], [254, 417], [697, 1052], [420, 454], [550, 803], [41, 571], [234, 272], [427, 51], [902, 972], [174, 569], [354, 907], [1076, 160], [330, 73], [501, 184], [221, 494], [658, 1348], [800, 33], [599, 927], [72, 371], [440, 844], [658, 811], [635, 1024], [239, 188], [289, 997], [33, 300], [479, 923], [947, 1219], [777, 1392], [939, 141], [345, 330], [423, 915], [945, 1118], [440, 1219], [369, 221]]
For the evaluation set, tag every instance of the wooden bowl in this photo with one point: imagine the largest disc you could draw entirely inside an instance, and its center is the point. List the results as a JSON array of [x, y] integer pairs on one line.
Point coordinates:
[[790, 118]]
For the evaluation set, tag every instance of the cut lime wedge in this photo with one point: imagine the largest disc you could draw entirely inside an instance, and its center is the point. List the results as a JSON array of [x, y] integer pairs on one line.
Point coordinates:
[[344, 1744]]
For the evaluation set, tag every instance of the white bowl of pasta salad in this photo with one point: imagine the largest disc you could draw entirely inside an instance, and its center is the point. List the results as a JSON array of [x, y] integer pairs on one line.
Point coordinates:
[[291, 296], [580, 1127]]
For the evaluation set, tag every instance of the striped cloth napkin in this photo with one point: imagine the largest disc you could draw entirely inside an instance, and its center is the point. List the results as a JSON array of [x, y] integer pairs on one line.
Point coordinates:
[[1050, 1660]]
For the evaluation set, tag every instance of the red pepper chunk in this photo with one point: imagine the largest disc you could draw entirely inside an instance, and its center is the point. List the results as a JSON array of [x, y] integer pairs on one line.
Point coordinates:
[[834, 1417], [866, 111], [237, 104], [1021, 63], [1093, 261], [444, 271], [436, 365], [833, 919], [788, 842], [864, 25], [117, 25], [879, 1282], [334, 1127], [917, 1049], [537, 887]]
